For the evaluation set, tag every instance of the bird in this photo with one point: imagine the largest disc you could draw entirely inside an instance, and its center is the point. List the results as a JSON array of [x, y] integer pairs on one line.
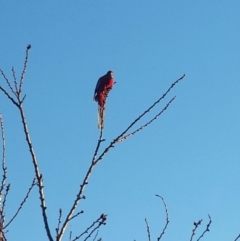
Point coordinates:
[[104, 85]]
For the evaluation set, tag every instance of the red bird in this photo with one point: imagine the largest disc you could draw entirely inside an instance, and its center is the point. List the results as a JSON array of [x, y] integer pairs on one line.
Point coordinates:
[[104, 85]]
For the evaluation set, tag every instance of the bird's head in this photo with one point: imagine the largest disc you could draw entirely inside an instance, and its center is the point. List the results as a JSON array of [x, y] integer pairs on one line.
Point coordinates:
[[110, 74]]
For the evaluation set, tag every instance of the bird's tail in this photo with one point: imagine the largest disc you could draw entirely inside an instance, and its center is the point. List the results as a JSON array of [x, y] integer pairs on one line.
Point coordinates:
[[101, 115]]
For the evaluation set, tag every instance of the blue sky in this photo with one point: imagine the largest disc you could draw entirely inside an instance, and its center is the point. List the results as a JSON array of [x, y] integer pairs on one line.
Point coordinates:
[[190, 156]]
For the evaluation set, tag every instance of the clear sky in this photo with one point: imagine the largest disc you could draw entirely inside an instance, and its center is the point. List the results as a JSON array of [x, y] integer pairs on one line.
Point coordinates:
[[190, 156]]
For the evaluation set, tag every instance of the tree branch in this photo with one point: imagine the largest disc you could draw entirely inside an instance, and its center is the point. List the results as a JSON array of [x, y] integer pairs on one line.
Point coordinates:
[[196, 225], [167, 219], [148, 230], [100, 221], [8, 82], [148, 123], [207, 228], [82, 186], [24, 70], [4, 168], [22, 203], [237, 238], [37, 173]]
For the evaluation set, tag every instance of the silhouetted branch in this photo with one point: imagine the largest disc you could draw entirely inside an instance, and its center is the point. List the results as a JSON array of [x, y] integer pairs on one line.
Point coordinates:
[[4, 168], [37, 173], [74, 216], [167, 219], [112, 144], [24, 70], [22, 203], [8, 82], [15, 80], [8, 95], [82, 186], [96, 236], [59, 221], [196, 225], [5, 197], [148, 230], [100, 221], [207, 228], [34, 159], [237, 238], [148, 123], [155, 103]]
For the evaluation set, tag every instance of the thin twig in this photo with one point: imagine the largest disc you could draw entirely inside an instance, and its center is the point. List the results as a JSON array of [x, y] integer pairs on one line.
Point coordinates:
[[15, 79], [24, 70], [100, 221], [148, 123], [155, 103], [74, 216], [196, 225], [148, 230], [59, 221], [4, 168], [22, 203], [96, 236], [207, 228], [167, 218], [8, 82], [5, 197], [96, 228]]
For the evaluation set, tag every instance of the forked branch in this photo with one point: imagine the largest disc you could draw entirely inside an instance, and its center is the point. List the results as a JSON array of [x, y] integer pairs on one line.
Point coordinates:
[[197, 224], [119, 138], [18, 102], [22, 203]]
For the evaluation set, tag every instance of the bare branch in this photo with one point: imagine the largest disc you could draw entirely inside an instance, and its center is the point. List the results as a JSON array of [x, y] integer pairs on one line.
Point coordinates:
[[155, 103], [148, 123], [112, 144], [167, 219], [148, 230], [59, 221], [15, 80], [100, 221], [8, 82], [22, 203], [82, 186], [4, 168], [9, 96], [37, 173], [96, 236], [237, 238], [24, 70], [196, 225], [74, 216], [207, 228], [5, 197]]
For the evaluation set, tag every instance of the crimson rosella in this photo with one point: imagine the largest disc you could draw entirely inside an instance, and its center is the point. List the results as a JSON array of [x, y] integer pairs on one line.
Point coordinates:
[[104, 85]]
